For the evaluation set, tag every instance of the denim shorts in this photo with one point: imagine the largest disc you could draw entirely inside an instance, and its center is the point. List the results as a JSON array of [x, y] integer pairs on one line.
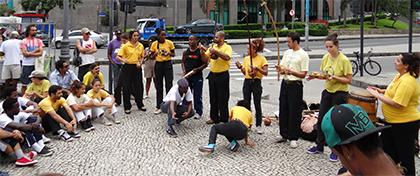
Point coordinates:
[[26, 71]]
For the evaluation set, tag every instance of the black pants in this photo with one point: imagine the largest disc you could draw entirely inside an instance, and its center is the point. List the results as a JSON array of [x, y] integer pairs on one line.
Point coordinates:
[[179, 110], [163, 69], [131, 75], [328, 100], [219, 96], [233, 130], [291, 96], [255, 88], [82, 71], [49, 124], [398, 143], [117, 90], [33, 135]]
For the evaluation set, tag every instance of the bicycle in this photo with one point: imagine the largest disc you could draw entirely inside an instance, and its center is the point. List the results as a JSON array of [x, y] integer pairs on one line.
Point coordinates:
[[371, 67]]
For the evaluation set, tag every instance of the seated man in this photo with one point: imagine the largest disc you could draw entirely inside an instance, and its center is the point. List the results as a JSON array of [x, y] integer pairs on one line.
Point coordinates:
[[354, 139], [171, 105], [9, 144], [63, 77], [54, 110], [33, 132]]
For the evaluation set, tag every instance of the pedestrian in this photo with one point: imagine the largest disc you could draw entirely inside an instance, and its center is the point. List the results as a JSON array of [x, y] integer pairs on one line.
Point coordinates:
[[131, 54], [149, 68], [11, 65], [220, 55], [117, 95], [62, 76], [171, 105], [113, 49], [162, 50], [399, 106], [294, 67], [86, 47], [240, 119], [38, 90], [195, 60], [253, 75], [340, 75], [31, 47], [94, 72], [103, 103], [81, 105]]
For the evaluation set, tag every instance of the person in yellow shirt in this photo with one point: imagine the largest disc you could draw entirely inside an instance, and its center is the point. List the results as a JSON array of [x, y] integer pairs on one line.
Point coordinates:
[[102, 101], [253, 75], [162, 51], [220, 54], [94, 72], [38, 89], [399, 106], [130, 55], [240, 119]]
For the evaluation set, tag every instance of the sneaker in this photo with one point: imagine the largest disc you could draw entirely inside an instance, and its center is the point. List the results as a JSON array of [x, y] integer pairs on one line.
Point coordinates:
[[74, 134], [259, 130], [50, 149], [171, 133], [30, 155], [314, 150], [333, 157], [197, 116], [234, 147], [45, 152], [106, 122], [206, 148], [85, 126], [116, 120], [158, 111], [25, 162], [45, 139], [145, 97], [66, 137], [280, 139], [89, 123], [210, 121], [293, 144]]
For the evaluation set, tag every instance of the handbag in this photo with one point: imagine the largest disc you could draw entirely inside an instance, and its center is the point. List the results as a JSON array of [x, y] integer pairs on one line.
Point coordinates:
[[77, 60]]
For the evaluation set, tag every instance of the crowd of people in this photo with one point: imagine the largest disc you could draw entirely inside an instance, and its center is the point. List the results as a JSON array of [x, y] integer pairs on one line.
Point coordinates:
[[71, 100]]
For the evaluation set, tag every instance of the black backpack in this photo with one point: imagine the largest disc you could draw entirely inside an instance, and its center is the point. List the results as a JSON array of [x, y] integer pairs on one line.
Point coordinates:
[[77, 60]]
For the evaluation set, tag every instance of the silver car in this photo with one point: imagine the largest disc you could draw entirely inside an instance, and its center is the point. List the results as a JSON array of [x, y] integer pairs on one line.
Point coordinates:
[[100, 39]]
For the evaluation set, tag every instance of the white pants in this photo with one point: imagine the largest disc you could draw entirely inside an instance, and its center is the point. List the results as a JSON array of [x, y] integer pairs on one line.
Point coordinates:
[[82, 115], [97, 111]]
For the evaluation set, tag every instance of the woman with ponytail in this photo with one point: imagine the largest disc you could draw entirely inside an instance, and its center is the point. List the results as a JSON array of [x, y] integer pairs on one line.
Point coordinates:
[[81, 105]]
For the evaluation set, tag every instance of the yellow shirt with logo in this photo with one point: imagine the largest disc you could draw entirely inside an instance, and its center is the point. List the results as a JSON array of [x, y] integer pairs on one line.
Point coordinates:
[[40, 89], [47, 105], [167, 46], [242, 114], [405, 91], [131, 53], [339, 67], [219, 65], [88, 78], [100, 95], [296, 61], [258, 61]]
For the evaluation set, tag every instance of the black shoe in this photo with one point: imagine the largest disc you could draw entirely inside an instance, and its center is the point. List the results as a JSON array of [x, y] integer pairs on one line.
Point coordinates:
[[45, 152], [85, 126], [89, 122], [171, 133], [74, 134]]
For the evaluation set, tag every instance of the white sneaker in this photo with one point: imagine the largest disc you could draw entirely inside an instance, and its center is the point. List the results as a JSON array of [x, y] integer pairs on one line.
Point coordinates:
[[45, 139], [145, 97], [106, 122], [158, 111], [259, 130], [280, 139], [197, 116], [116, 120], [293, 144]]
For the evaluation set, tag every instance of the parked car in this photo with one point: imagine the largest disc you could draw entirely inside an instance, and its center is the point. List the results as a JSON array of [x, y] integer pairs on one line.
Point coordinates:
[[198, 26], [44, 36], [100, 39]]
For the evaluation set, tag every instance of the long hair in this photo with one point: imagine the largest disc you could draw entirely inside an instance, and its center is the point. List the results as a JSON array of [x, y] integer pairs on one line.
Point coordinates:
[[28, 29], [413, 62], [76, 85]]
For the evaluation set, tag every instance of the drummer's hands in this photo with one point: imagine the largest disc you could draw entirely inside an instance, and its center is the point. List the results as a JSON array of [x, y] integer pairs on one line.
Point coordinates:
[[288, 71], [238, 64], [382, 91], [373, 91], [309, 77], [330, 77]]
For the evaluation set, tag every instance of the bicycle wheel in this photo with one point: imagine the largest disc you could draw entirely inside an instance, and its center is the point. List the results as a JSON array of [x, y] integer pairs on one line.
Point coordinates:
[[372, 67], [354, 67]]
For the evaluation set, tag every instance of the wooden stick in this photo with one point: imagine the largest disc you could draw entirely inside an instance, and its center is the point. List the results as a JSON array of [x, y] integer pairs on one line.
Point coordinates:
[[270, 119]]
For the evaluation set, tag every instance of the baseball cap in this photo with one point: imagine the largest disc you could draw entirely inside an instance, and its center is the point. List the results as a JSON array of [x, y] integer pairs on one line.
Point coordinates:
[[14, 32], [347, 123], [37, 74], [118, 31], [85, 31], [182, 82]]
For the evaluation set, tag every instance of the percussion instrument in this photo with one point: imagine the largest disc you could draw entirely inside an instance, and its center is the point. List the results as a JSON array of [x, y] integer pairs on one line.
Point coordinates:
[[366, 101], [319, 75], [267, 122], [188, 74]]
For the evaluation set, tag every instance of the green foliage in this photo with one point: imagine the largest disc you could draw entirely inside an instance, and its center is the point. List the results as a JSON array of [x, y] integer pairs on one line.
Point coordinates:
[[105, 20], [6, 10], [336, 23], [252, 26], [169, 28], [170, 32], [318, 32], [279, 25], [381, 24], [236, 34], [46, 5]]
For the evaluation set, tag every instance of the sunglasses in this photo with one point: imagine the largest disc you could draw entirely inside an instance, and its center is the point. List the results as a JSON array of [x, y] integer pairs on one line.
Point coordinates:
[[67, 66]]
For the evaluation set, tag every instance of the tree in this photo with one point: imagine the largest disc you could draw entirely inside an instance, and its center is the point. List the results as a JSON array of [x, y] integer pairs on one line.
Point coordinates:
[[45, 6], [396, 8], [5, 10], [220, 8], [343, 7]]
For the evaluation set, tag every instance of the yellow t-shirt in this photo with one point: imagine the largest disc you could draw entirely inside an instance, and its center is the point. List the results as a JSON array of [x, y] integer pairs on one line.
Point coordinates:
[[130, 53], [242, 114], [40, 89], [258, 61], [100, 95], [405, 91], [296, 61], [219, 65], [167, 46], [88, 78], [47, 105], [339, 67]]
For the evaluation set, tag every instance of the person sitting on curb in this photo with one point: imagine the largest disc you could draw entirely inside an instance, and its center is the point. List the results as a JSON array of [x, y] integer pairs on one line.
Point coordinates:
[[171, 105], [81, 105], [354, 139], [38, 89], [240, 119], [9, 144], [54, 110], [102, 100]]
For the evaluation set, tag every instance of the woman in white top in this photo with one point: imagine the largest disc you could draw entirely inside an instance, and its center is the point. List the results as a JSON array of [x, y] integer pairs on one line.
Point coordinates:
[[81, 105]]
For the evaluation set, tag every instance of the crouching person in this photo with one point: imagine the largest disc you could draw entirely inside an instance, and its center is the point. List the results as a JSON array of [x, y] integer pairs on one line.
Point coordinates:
[[102, 101], [240, 119], [9, 144], [81, 105], [54, 110], [171, 105]]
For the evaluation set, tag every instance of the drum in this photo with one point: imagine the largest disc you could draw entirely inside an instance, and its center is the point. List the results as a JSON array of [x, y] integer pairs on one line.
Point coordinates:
[[366, 101]]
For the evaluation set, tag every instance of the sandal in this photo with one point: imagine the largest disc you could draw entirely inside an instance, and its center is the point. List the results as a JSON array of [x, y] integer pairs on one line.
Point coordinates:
[[142, 109], [127, 112]]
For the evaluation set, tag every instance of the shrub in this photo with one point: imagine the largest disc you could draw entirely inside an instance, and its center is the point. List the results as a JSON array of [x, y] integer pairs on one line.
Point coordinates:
[[236, 34], [318, 32], [252, 26], [297, 25], [169, 28]]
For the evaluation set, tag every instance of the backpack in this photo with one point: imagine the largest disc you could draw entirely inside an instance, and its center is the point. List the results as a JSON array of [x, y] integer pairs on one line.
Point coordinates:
[[77, 60]]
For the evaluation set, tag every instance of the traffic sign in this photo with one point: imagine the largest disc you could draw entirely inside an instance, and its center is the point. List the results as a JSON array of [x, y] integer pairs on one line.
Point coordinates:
[[292, 12]]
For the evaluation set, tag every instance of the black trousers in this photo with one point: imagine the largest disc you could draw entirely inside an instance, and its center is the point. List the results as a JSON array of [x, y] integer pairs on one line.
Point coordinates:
[[255, 88], [179, 110], [291, 96], [49, 124], [233, 130], [219, 96], [82, 71], [328, 100], [33, 135], [117, 90], [163, 69], [131, 75], [398, 143]]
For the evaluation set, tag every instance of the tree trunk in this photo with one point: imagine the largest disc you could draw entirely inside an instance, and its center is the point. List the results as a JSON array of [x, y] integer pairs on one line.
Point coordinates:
[[395, 20], [345, 19], [375, 7]]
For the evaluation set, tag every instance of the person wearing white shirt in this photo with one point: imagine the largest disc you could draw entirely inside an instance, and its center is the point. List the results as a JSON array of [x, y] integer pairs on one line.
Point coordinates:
[[11, 65], [81, 105]]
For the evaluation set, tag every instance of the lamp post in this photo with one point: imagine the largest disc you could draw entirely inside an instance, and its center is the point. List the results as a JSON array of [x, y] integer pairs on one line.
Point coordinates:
[[71, 16], [65, 49]]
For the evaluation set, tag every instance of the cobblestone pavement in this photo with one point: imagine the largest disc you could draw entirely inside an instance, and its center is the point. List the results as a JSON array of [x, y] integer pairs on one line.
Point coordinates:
[[140, 146]]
